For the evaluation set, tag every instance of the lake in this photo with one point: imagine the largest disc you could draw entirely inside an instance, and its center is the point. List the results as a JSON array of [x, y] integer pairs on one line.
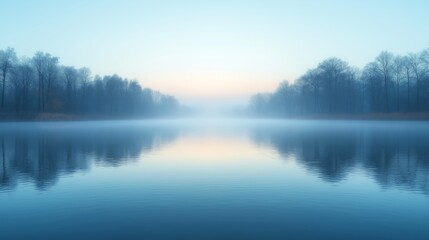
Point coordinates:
[[214, 179]]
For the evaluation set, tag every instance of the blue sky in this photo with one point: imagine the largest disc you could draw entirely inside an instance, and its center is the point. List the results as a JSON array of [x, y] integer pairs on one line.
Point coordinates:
[[212, 51]]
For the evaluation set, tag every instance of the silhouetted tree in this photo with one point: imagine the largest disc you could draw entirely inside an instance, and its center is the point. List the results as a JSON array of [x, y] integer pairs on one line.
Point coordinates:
[[333, 87], [46, 67], [71, 76], [398, 70], [415, 65], [42, 85], [22, 77], [384, 64], [7, 60]]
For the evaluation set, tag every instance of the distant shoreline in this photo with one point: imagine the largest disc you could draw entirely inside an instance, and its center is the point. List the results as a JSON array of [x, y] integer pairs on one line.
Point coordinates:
[[369, 116], [46, 117]]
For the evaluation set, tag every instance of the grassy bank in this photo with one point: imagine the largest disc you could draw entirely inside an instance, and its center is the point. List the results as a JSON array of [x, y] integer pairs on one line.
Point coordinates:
[[44, 117], [369, 116]]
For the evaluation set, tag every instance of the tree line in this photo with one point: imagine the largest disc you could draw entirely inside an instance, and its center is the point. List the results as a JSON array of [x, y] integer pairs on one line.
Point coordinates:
[[41, 85], [389, 84]]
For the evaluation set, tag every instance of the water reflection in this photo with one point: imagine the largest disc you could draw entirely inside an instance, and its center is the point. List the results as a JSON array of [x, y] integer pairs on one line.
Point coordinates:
[[42, 152], [230, 179], [394, 154]]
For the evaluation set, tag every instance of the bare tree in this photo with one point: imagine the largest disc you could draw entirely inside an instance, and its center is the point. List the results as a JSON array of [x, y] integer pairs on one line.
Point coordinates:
[[373, 80], [384, 63], [84, 80], [70, 75], [40, 66], [7, 59], [22, 77], [46, 67], [407, 67], [51, 76], [415, 64], [398, 70], [333, 72]]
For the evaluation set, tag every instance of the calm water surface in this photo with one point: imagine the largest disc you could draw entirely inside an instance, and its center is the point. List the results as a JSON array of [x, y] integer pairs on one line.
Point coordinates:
[[214, 179]]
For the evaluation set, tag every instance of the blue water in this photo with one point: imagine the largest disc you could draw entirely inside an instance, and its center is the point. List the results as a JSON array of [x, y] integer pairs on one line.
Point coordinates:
[[214, 179]]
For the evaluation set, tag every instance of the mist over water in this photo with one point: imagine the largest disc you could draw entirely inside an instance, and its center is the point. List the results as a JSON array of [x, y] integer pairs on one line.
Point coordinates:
[[214, 178]]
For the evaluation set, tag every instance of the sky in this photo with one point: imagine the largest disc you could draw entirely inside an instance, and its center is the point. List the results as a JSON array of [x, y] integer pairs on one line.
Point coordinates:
[[212, 52]]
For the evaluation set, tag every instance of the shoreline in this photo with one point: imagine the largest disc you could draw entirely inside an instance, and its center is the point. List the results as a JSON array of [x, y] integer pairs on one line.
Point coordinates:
[[53, 117], [369, 117], [48, 117]]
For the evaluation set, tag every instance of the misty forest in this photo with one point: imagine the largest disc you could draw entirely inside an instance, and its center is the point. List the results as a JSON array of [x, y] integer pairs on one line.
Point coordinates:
[[389, 84], [38, 85]]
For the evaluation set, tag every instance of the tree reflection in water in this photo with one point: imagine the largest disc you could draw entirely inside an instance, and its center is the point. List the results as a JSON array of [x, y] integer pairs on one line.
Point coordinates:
[[40, 153], [394, 154]]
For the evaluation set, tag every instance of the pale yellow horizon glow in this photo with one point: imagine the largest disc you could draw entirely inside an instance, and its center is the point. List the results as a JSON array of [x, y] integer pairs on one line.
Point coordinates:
[[207, 87], [213, 151]]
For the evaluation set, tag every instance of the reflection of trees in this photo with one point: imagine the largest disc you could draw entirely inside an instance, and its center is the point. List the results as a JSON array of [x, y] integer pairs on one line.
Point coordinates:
[[396, 156], [40, 156], [399, 159], [331, 156]]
